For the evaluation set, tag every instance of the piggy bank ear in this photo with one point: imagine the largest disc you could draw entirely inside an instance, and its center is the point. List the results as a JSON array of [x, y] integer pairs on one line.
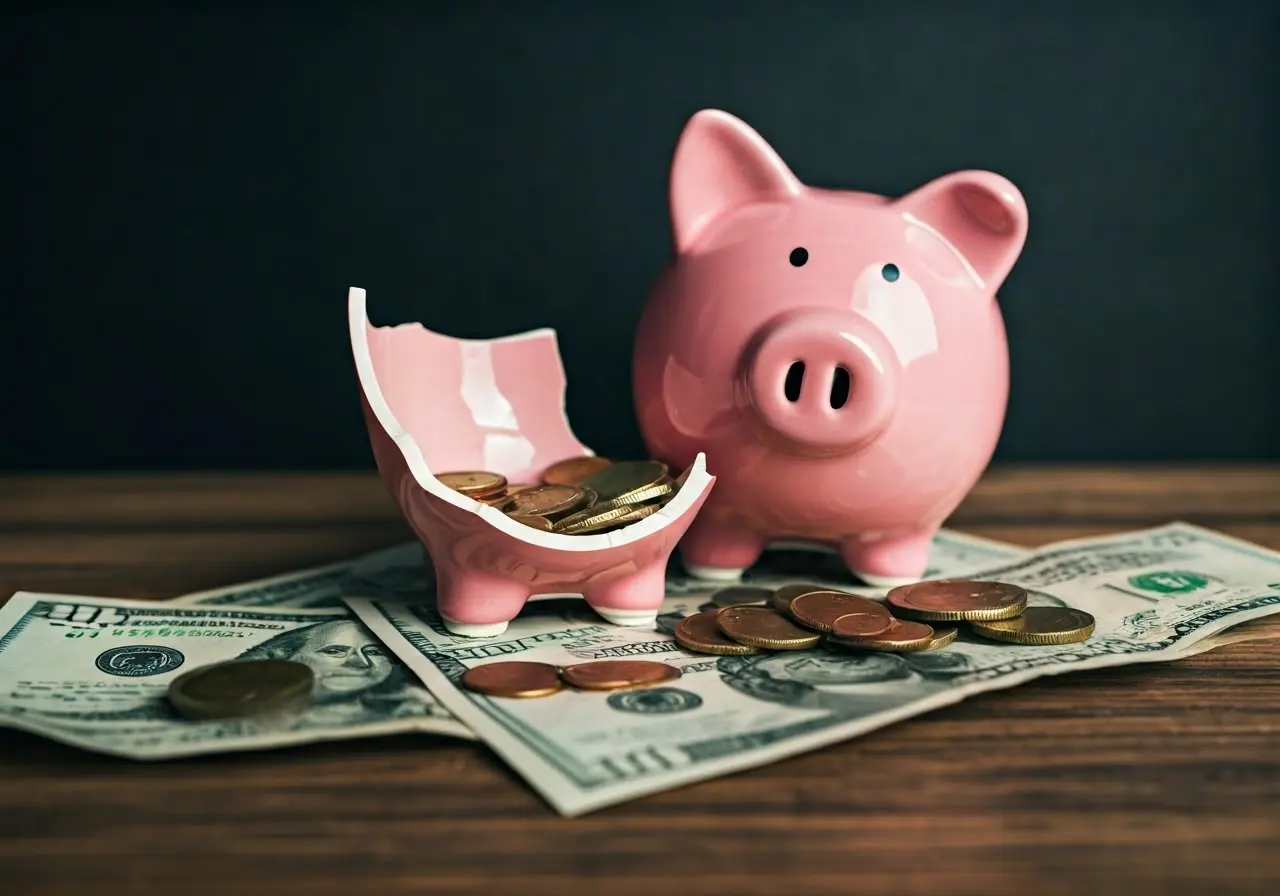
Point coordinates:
[[721, 165], [980, 213]]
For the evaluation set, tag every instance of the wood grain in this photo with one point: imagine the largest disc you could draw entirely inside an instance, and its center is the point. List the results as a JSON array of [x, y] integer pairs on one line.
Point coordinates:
[[1155, 779]]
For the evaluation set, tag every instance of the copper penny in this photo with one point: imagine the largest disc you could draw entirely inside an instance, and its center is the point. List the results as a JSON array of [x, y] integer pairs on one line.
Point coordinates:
[[615, 675], [740, 594], [701, 633], [574, 470], [860, 625], [764, 627], [546, 500], [782, 597], [903, 637], [942, 637], [474, 483], [947, 600], [513, 679], [820, 609]]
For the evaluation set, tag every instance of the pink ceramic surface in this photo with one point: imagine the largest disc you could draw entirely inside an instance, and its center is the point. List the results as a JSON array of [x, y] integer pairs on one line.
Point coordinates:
[[432, 402], [889, 305]]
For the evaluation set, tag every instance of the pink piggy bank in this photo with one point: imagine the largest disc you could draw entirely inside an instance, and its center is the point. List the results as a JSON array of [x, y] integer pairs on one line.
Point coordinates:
[[434, 404], [838, 356]]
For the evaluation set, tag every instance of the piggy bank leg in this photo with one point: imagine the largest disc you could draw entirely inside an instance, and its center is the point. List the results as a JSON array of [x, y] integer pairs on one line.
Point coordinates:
[[888, 562], [712, 551], [476, 604], [632, 598]]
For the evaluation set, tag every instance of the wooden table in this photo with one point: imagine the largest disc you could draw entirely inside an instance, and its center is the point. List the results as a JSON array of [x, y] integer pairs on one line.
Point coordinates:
[[1150, 779]]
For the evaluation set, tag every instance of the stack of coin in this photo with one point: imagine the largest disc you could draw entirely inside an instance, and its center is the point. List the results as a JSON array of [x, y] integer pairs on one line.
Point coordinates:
[[798, 616], [519, 679], [579, 496]]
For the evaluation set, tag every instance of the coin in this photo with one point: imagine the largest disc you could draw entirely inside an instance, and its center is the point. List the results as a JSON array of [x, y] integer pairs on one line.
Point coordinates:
[[534, 522], [947, 600], [903, 637], [474, 483], [574, 470], [1040, 626], [861, 625], [242, 688], [782, 598], [618, 483], [764, 627], [615, 675], [740, 594], [513, 679], [546, 500], [820, 609], [597, 518], [701, 634], [942, 637]]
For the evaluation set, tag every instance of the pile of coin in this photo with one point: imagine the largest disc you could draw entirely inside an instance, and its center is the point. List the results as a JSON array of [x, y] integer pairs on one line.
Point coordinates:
[[521, 679], [579, 496], [798, 616]]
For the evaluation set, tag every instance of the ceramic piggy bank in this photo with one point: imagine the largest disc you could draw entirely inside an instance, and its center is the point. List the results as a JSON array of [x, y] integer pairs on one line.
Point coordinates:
[[838, 356], [434, 404]]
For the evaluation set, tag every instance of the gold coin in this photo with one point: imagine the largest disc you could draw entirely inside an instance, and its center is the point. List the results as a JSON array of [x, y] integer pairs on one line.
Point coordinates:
[[239, 688], [763, 627], [654, 492], [782, 598], [546, 500], [701, 634], [497, 499], [1040, 626], [942, 637], [820, 609], [615, 675], [513, 679], [474, 483], [597, 518], [736, 595], [861, 625], [533, 522], [949, 600], [574, 470], [616, 483], [902, 637]]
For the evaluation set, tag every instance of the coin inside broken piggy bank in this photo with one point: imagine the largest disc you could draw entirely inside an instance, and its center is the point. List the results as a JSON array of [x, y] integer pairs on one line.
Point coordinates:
[[471, 439]]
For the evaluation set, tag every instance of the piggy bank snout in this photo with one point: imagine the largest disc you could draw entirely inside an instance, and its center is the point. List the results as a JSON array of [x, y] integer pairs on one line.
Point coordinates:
[[821, 382]]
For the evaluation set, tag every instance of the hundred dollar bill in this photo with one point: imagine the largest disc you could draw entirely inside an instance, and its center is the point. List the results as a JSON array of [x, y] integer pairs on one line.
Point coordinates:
[[404, 572], [400, 572], [951, 554], [93, 673], [1154, 593]]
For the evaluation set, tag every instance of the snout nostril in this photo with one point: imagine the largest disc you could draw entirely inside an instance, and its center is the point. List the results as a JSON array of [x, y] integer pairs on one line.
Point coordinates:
[[795, 380], [840, 383]]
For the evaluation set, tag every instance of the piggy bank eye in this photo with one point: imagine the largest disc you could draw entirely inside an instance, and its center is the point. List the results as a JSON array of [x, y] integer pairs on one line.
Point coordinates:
[[799, 256], [890, 272]]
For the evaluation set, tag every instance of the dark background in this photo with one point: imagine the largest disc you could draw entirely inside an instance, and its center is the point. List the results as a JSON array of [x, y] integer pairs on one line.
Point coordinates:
[[196, 185]]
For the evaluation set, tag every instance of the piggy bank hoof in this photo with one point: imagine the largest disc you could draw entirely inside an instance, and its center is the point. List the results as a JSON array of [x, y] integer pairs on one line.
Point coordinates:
[[875, 581], [629, 618], [472, 630], [715, 573]]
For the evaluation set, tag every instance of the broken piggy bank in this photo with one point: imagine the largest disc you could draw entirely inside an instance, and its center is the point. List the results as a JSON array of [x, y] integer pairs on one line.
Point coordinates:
[[838, 356], [435, 404]]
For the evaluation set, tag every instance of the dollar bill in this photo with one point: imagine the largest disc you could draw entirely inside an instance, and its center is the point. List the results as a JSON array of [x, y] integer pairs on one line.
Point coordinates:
[[1154, 593], [404, 572], [400, 572], [93, 673]]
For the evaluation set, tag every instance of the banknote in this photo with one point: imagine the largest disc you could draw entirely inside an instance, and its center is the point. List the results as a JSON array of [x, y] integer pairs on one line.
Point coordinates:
[[1154, 593], [93, 673], [404, 572]]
